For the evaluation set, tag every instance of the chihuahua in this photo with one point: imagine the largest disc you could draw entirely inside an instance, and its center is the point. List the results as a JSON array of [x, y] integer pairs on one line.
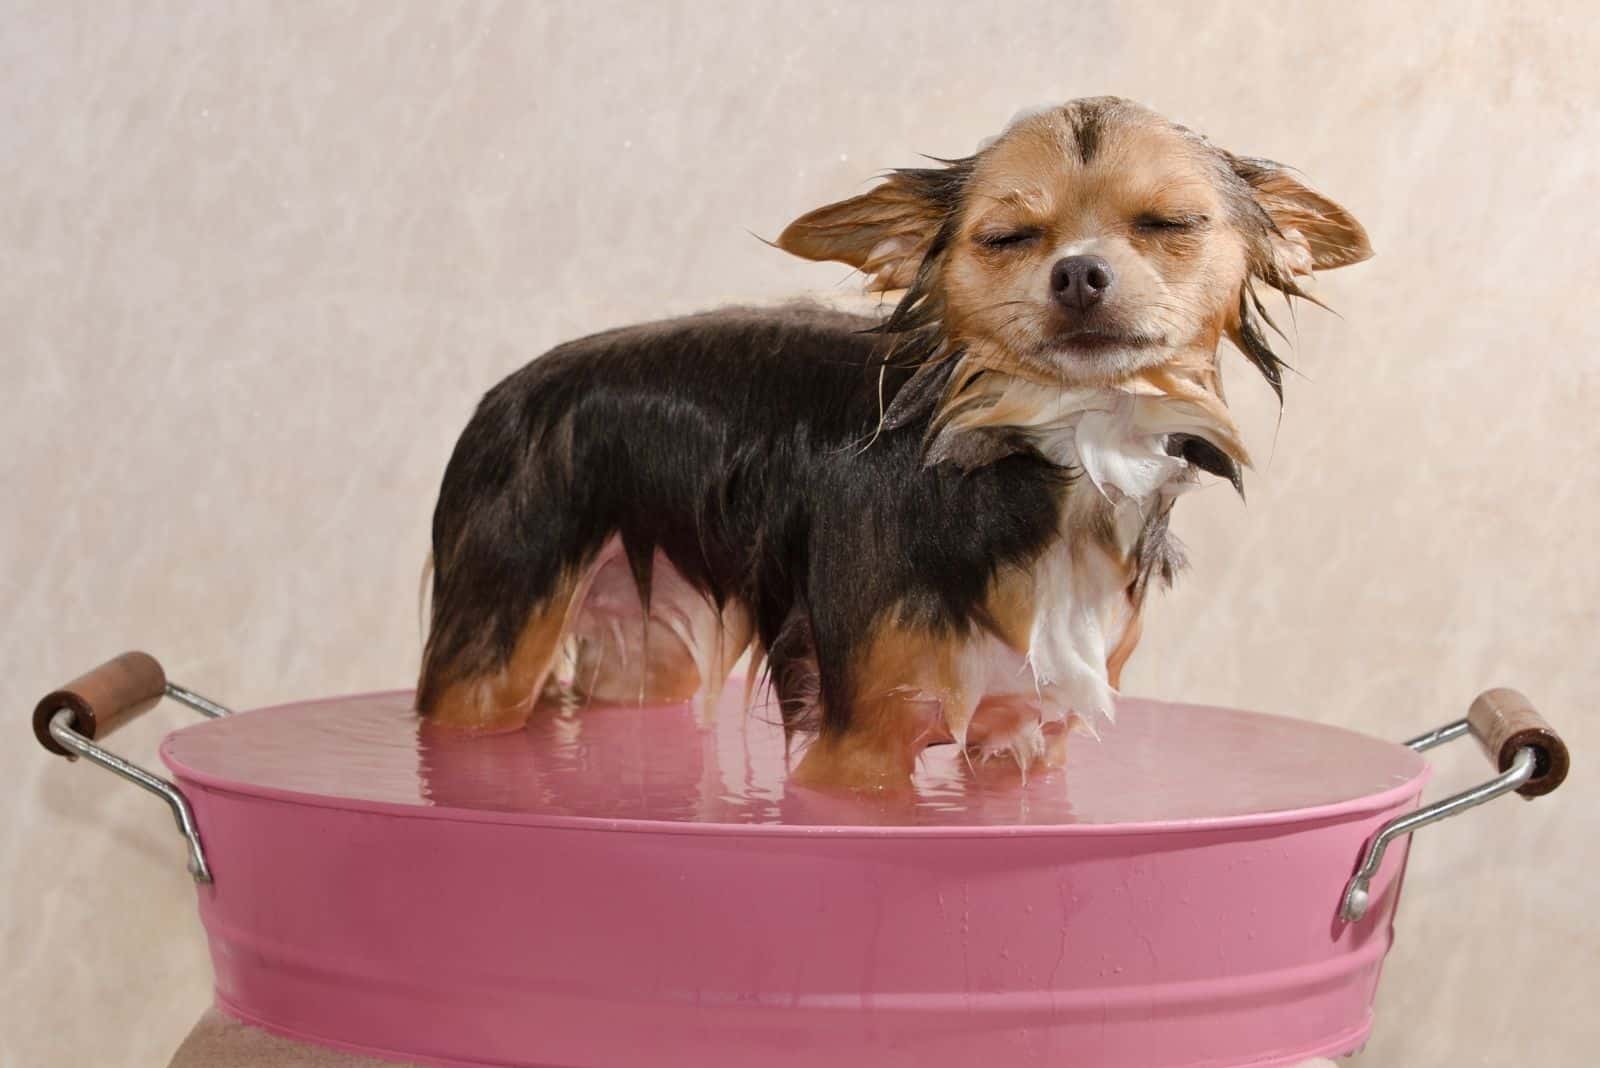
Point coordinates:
[[935, 525]]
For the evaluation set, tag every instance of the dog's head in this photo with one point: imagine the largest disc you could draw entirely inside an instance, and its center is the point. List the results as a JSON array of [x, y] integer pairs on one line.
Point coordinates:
[[1087, 244]]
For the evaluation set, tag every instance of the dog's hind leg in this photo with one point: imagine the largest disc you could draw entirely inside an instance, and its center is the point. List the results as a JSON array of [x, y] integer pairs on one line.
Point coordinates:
[[502, 697]]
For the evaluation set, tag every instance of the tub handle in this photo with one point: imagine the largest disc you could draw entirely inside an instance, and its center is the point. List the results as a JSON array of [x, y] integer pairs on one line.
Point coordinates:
[[69, 720], [1529, 755]]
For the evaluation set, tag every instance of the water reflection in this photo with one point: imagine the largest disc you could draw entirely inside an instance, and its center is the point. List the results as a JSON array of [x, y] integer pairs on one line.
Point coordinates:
[[1160, 762], [665, 763]]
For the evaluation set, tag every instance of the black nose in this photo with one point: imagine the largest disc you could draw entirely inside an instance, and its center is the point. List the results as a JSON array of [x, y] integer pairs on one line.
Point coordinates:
[[1078, 282]]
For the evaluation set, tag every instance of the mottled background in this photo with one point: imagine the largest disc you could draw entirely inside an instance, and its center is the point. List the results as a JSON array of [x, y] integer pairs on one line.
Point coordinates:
[[259, 260]]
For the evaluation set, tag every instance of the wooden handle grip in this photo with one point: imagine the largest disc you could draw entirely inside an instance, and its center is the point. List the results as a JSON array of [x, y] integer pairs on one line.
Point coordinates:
[[103, 699], [1505, 722]]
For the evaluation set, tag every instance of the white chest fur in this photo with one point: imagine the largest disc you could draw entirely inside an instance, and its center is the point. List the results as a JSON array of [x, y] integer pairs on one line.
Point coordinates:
[[1116, 441]]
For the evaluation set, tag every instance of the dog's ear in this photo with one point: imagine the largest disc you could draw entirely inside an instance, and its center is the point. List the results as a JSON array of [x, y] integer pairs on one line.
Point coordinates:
[[885, 232], [1313, 233]]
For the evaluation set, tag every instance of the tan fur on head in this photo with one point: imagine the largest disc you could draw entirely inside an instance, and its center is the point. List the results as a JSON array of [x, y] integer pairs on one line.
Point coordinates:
[[1184, 226]]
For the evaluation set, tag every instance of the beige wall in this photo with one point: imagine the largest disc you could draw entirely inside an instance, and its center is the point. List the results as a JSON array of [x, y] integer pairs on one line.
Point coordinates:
[[259, 260]]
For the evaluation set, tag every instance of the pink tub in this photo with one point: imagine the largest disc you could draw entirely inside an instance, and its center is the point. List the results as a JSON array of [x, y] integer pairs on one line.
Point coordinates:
[[626, 886]]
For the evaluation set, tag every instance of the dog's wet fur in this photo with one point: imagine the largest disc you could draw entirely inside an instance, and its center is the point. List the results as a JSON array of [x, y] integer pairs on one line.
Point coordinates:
[[935, 525]]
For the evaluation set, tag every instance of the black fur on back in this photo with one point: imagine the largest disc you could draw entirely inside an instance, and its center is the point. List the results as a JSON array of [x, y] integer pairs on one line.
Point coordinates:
[[748, 445]]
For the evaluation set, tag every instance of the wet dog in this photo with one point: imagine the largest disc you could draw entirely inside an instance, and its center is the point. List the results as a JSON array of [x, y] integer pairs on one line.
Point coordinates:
[[939, 525]]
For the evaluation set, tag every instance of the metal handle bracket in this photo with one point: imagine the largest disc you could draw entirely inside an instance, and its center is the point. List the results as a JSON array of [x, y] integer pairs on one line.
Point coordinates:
[[61, 730], [1356, 898]]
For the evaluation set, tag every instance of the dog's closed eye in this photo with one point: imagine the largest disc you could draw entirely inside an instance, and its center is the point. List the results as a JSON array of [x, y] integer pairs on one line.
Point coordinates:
[[1001, 239], [1156, 222]]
